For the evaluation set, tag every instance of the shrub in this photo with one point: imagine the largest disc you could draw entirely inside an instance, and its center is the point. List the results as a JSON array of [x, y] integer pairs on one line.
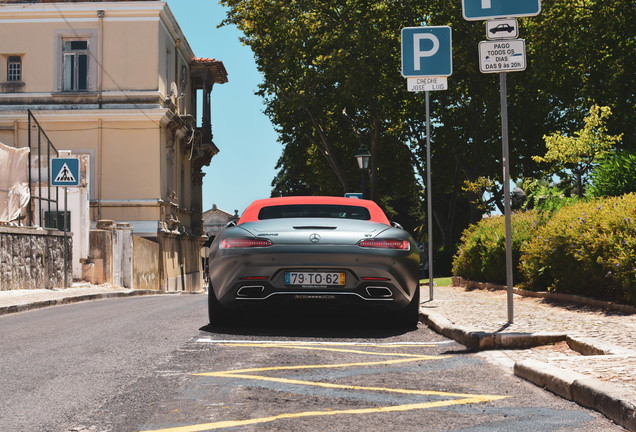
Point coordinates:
[[588, 248], [482, 253]]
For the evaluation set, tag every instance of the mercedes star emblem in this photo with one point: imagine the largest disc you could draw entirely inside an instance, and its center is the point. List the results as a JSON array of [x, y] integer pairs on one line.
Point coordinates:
[[314, 238]]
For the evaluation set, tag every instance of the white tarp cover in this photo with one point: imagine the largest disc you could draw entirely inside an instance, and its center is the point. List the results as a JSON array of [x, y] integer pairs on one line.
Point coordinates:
[[14, 181]]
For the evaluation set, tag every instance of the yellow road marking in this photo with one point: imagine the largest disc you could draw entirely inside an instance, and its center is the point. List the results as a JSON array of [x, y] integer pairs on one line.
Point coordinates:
[[409, 358], [341, 386], [404, 358], [322, 348], [388, 409], [328, 366]]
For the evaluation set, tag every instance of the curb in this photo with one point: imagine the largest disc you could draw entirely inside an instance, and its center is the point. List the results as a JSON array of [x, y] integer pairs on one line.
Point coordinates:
[[588, 392], [5, 310], [478, 340]]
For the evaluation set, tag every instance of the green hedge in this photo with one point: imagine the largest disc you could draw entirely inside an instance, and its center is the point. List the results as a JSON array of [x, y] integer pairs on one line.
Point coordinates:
[[587, 248], [482, 253]]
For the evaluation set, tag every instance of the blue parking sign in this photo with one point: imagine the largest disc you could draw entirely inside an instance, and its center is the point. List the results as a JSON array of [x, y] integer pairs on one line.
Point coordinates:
[[476, 10], [427, 51], [65, 172]]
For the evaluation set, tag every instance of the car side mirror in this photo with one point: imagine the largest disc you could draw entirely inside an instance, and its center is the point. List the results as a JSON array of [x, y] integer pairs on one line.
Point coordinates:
[[396, 225], [230, 224]]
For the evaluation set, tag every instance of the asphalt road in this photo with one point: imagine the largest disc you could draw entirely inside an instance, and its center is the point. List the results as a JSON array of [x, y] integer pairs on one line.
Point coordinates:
[[152, 364]]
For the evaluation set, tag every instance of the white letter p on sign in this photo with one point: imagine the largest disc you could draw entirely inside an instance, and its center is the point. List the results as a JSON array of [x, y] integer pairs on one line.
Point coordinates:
[[417, 51]]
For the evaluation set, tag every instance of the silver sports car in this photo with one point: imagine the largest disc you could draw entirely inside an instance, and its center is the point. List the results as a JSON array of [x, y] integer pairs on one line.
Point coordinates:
[[309, 249]]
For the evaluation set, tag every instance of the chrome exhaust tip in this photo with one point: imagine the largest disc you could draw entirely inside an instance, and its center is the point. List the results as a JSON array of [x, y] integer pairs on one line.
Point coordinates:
[[379, 292], [250, 291]]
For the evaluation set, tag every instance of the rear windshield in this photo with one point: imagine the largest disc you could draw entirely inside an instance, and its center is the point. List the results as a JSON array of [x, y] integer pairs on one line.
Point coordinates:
[[314, 211]]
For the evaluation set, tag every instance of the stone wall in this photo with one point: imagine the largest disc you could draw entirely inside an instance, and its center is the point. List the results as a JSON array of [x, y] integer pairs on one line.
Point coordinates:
[[181, 266], [98, 267], [33, 258], [120, 258], [110, 255], [145, 264]]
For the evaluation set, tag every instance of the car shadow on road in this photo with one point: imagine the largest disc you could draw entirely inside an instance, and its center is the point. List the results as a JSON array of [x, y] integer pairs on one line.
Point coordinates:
[[309, 322]]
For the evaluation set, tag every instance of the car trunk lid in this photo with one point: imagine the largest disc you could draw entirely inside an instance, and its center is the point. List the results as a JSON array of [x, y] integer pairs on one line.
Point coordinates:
[[314, 231]]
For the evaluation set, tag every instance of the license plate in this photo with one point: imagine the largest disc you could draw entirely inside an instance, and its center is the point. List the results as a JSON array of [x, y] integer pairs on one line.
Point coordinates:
[[315, 278]]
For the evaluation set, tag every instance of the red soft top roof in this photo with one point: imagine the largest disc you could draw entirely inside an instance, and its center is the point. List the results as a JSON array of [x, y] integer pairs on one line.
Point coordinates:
[[251, 213]]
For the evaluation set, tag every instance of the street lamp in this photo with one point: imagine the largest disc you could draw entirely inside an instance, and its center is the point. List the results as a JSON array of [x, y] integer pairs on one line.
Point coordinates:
[[363, 156]]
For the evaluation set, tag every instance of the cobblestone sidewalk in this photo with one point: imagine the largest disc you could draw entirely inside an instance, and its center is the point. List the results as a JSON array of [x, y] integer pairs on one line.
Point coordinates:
[[487, 311]]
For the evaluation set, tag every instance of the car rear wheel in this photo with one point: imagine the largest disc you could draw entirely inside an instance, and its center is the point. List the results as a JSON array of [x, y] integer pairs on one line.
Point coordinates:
[[409, 317], [218, 315]]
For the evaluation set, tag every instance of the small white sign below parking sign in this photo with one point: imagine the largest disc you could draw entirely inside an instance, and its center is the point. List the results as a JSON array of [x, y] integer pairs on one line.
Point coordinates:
[[502, 56], [426, 84], [502, 29]]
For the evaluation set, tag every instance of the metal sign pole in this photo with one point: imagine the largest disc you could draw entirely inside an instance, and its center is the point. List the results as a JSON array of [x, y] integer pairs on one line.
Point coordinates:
[[506, 181], [65, 236], [427, 60], [64, 171], [429, 215], [497, 57]]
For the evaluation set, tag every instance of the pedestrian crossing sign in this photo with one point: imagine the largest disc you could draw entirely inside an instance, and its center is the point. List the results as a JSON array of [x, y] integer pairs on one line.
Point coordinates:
[[65, 172]]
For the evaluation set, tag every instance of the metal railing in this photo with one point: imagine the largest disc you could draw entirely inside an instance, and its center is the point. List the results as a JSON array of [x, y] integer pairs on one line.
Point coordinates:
[[42, 150]]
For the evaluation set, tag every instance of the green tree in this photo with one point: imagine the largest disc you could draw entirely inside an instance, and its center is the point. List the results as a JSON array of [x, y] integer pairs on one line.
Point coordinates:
[[581, 52], [577, 154], [320, 57], [615, 175], [319, 61]]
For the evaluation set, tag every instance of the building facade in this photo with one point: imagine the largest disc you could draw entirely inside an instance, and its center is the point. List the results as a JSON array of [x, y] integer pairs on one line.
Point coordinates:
[[117, 83], [215, 219]]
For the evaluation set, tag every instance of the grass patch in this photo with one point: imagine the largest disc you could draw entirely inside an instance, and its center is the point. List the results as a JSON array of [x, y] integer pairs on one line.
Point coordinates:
[[445, 281]]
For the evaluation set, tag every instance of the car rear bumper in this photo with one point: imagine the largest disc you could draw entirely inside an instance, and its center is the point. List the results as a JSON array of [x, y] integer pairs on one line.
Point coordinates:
[[385, 279]]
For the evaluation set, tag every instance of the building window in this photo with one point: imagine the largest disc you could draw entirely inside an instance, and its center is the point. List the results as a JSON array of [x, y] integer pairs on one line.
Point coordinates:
[[14, 68], [75, 75]]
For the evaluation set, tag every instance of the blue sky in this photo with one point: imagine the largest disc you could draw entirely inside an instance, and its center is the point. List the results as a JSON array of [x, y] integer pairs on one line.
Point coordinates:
[[245, 166]]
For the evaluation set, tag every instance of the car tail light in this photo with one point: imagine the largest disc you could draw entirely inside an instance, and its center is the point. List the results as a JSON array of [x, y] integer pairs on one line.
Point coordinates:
[[231, 243], [384, 244]]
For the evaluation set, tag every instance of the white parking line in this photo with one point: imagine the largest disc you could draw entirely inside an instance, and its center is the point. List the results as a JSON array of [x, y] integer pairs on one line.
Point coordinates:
[[296, 342]]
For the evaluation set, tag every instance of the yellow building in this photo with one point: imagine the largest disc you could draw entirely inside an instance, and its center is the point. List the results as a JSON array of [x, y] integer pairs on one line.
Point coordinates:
[[118, 82]]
